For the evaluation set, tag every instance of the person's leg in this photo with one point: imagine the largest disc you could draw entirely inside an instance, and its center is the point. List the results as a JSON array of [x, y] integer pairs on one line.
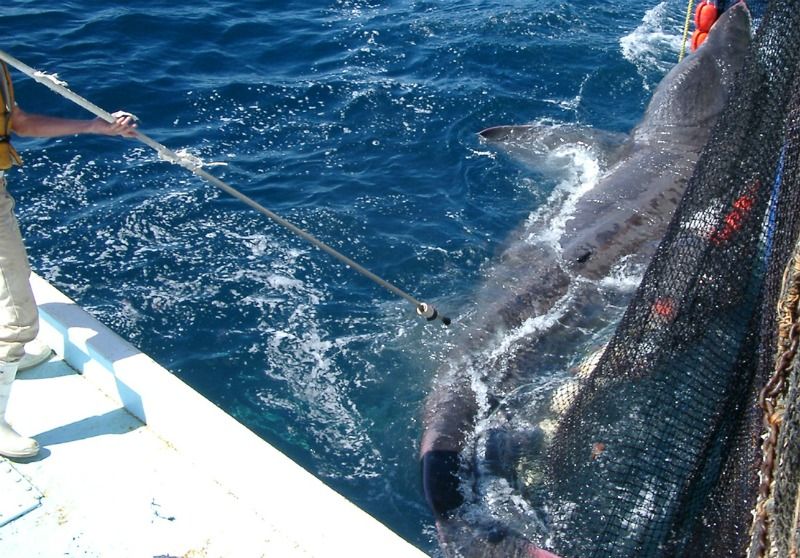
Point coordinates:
[[19, 320], [11, 443]]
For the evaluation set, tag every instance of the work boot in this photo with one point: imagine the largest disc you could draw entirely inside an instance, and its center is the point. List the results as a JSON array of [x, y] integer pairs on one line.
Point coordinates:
[[11, 443]]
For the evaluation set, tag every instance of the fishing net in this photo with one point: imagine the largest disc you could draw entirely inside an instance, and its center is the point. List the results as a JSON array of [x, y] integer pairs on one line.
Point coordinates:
[[662, 449]]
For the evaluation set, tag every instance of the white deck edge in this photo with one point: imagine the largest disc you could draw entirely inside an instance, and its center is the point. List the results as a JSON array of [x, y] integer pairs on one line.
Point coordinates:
[[297, 504]]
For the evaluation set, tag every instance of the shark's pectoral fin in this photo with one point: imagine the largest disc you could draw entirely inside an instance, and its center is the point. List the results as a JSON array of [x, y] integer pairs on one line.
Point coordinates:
[[506, 133], [531, 143]]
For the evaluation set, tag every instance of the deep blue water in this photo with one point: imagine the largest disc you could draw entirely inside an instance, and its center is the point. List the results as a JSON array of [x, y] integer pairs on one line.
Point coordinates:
[[354, 119]]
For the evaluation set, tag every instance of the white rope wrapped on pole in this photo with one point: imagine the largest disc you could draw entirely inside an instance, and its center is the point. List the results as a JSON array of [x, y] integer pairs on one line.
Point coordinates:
[[51, 81]]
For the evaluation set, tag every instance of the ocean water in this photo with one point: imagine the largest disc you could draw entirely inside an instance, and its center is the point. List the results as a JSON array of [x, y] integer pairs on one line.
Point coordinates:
[[354, 119]]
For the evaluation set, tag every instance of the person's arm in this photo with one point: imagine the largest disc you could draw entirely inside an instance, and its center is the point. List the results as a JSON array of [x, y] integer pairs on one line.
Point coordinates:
[[42, 126]]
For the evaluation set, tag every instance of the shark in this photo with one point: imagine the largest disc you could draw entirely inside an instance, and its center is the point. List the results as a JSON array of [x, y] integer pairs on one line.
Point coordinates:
[[545, 291]]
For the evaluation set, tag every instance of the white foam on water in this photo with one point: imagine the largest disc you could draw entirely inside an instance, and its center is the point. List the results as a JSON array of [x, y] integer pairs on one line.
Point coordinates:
[[655, 43], [625, 276], [548, 223]]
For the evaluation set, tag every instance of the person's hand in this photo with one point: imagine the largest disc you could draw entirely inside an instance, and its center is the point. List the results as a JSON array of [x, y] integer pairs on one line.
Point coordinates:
[[124, 125]]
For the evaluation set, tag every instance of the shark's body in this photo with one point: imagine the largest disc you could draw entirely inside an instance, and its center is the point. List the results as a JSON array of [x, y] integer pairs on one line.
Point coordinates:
[[622, 217]]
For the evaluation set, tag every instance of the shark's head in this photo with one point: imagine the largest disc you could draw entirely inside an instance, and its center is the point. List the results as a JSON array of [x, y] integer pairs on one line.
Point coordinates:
[[696, 90]]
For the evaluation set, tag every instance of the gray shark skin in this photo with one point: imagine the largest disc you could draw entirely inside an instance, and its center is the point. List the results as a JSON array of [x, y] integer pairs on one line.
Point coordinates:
[[622, 218]]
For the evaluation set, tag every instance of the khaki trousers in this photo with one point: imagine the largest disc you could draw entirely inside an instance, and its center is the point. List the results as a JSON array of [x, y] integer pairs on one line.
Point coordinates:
[[19, 317]]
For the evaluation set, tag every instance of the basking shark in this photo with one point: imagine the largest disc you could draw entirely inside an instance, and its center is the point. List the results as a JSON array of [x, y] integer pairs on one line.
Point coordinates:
[[484, 417]]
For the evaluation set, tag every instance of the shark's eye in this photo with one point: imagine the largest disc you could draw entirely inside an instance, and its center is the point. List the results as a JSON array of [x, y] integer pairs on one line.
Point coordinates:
[[496, 534], [583, 258]]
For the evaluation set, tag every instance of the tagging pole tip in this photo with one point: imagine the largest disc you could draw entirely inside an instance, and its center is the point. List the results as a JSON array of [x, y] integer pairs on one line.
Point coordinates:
[[429, 312]]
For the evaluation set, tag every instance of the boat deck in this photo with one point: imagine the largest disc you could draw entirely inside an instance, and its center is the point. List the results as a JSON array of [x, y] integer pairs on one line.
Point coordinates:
[[134, 463]]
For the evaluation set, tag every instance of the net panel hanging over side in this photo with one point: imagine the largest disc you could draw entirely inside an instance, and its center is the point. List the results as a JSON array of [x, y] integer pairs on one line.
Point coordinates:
[[776, 525], [659, 452]]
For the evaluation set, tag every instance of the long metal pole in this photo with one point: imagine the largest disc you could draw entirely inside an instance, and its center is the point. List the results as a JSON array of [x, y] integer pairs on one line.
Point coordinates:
[[424, 309]]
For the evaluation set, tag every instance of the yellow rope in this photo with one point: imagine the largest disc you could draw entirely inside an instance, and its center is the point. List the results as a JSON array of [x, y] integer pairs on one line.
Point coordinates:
[[689, 9]]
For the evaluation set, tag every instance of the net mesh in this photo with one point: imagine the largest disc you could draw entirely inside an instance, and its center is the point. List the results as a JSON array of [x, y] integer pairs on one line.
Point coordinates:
[[659, 451]]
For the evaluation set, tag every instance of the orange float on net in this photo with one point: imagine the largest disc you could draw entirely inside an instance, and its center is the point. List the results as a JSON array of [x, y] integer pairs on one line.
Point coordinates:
[[697, 39], [704, 17]]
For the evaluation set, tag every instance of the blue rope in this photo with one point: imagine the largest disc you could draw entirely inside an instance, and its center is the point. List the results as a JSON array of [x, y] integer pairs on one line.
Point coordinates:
[[773, 207]]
